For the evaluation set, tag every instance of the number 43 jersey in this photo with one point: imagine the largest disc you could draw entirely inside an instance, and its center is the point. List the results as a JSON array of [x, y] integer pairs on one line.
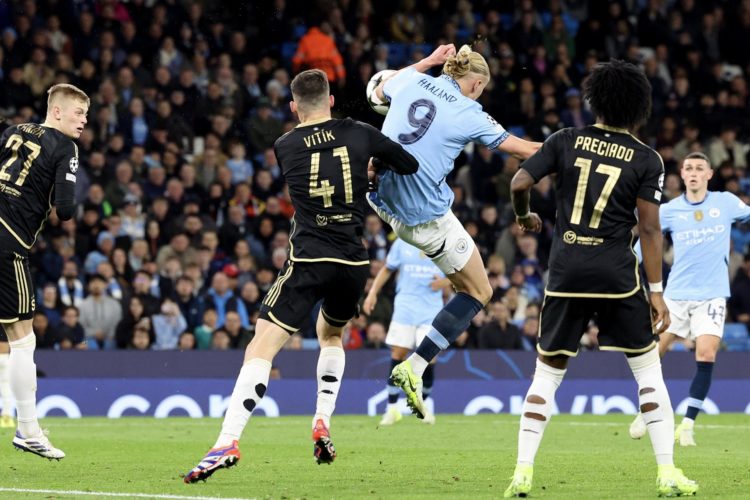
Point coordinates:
[[601, 172], [325, 166], [433, 121], [37, 169]]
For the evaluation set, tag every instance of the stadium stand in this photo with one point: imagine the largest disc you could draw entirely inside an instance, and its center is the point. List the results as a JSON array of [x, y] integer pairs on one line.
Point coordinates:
[[179, 177]]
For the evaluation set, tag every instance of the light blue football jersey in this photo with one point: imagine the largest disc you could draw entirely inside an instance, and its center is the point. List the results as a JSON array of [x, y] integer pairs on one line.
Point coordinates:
[[700, 234], [416, 303], [433, 121]]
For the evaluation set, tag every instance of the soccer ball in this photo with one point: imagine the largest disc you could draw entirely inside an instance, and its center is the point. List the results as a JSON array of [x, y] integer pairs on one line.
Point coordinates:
[[380, 107]]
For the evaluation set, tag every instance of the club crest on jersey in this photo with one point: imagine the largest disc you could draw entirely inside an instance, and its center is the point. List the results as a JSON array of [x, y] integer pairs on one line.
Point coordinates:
[[74, 164], [321, 220], [698, 215], [714, 212]]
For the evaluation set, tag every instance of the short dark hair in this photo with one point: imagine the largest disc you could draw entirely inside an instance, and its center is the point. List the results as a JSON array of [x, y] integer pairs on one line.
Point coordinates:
[[310, 88], [619, 94], [697, 155]]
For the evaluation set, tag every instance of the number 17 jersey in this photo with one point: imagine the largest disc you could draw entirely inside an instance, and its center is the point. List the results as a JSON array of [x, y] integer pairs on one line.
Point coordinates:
[[601, 172]]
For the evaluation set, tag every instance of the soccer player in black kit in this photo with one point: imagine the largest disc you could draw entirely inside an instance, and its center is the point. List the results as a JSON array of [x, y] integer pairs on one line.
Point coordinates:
[[325, 163], [603, 175], [38, 165]]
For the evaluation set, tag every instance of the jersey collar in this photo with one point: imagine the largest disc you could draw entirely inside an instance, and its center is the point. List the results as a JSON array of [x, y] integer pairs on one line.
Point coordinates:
[[611, 129], [313, 122], [452, 80], [684, 195]]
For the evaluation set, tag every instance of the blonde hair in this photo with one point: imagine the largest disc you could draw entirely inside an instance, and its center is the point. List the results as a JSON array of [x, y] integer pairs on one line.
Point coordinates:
[[464, 62], [66, 90]]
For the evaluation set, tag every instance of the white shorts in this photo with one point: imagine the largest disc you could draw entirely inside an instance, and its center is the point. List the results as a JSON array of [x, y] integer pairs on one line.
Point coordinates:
[[693, 318], [406, 336], [444, 240]]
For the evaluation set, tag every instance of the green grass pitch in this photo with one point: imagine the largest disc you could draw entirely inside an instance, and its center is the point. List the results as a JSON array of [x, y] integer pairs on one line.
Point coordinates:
[[460, 457]]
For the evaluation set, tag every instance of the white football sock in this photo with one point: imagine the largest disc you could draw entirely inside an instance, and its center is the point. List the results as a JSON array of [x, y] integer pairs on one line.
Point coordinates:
[[249, 389], [5, 393], [331, 363], [537, 410], [655, 405], [22, 371]]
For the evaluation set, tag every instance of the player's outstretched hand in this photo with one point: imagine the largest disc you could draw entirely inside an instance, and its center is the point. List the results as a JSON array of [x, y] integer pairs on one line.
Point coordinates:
[[441, 54], [660, 319], [369, 303], [532, 222]]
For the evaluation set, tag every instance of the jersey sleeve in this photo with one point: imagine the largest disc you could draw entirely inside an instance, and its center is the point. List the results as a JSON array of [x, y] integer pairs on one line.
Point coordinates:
[[652, 180], [66, 166], [394, 156], [737, 208], [393, 260], [665, 218], [485, 130], [397, 82], [545, 161]]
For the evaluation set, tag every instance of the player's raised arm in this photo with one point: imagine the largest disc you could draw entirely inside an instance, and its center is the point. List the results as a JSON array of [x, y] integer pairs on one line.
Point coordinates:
[[437, 58], [520, 148]]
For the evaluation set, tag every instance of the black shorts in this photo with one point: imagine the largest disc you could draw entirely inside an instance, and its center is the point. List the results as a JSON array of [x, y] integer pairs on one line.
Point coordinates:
[[17, 300], [624, 324], [300, 285]]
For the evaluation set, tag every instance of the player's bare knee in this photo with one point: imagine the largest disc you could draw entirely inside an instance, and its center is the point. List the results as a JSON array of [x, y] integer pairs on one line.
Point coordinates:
[[484, 294], [705, 355]]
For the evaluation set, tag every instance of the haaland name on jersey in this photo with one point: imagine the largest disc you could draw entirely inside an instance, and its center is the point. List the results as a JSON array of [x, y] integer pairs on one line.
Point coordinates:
[[436, 91]]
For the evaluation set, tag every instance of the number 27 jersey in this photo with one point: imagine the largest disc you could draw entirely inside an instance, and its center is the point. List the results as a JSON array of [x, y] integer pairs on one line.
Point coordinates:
[[601, 172], [37, 169]]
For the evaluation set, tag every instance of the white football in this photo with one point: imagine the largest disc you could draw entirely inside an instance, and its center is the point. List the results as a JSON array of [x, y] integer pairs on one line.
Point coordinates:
[[376, 104]]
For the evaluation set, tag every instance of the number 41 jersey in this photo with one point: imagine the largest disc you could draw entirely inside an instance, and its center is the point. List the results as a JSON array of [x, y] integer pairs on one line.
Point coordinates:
[[37, 169], [601, 172], [325, 166]]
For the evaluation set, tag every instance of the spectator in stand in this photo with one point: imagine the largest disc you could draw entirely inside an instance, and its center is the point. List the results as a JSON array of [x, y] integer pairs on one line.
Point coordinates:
[[263, 128], [134, 314], [317, 49], [99, 315], [70, 334], [168, 326], [498, 332], [185, 298], [50, 304], [141, 339], [186, 342], [222, 299], [45, 335], [240, 336]]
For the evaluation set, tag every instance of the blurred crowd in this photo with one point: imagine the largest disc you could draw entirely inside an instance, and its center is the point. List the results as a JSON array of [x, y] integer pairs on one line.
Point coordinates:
[[183, 213]]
